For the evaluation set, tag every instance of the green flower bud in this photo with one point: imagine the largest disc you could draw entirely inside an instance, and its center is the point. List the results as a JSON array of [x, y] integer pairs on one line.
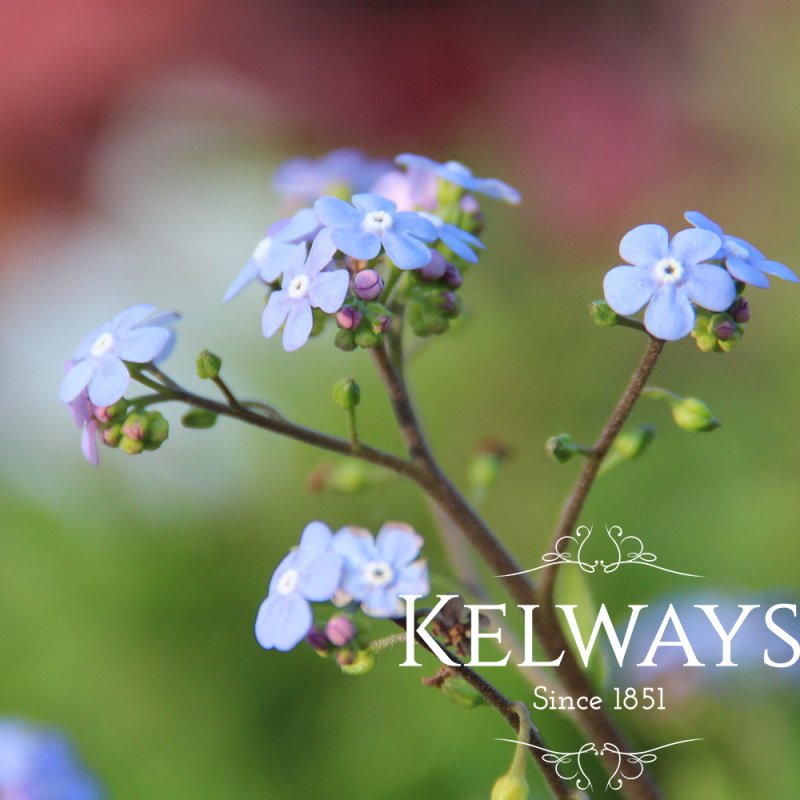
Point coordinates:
[[199, 418], [367, 338], [461, 693], [157, 430], [602, 314], [117, 411], [631, 444], [346, 393], [112, 435], [131, 446], [561, 448], [510, 787], [208, 365], [345, 340], [692, 414], [425, 318], [136, 426], [359, 663]]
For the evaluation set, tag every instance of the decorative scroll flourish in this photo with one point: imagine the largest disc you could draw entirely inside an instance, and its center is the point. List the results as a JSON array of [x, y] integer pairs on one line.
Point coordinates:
[[570, 767], [626, 550]]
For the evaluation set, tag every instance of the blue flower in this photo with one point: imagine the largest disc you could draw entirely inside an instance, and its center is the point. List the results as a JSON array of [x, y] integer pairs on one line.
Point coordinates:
[[306, 179], [306, 285], [378, 571], [310, 573], [742, 260], [457, 239], [371, 223], [137, 335], [275, 250], [670, 276], [455, 172], [37, 764]]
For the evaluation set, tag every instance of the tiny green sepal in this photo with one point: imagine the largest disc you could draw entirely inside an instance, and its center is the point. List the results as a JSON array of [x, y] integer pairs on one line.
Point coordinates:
[[199, 418], [345, 340], [462, 694], [562, 448], [208, 365], [602, 314]]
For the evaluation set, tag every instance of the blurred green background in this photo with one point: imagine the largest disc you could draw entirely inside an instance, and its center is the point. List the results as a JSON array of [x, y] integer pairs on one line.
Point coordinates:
[[128, 593]]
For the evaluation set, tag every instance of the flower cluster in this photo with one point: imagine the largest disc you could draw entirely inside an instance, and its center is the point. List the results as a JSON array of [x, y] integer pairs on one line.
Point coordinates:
[[373, 241], [349, 569], [681, 280], [37, 764]]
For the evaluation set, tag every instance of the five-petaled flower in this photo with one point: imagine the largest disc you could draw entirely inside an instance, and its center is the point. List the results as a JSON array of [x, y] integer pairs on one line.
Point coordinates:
[[745, 262], [670, 276], [378, 571], [306, 285], [371, 222], [312, 572], [137, 335]]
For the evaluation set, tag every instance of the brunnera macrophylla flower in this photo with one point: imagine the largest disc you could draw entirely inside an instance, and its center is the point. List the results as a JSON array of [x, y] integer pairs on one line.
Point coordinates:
[[306, 284], [668, 276], [744, 262], [39, 764], [459, 174], [346, 169], [275, 250], [311, 573], [138, 335], [373, 223], [457, 239], [377, 571]]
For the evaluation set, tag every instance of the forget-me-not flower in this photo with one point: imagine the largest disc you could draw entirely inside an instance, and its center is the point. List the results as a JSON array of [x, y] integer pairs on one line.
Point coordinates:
[[360, 230], [137, 334], [746, 263], [312, 572], [378, 571], [37, 764], [457, 239], [306, 284], [275, 250], [669, 276], [461, 175]]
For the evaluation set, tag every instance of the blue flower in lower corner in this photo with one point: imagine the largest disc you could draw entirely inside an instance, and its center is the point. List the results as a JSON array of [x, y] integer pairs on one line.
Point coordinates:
[[311, 573], [746, 263], [668, 276], [377, 571]]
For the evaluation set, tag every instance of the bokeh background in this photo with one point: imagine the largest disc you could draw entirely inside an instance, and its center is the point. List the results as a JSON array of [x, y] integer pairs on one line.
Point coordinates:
[[137, 143]]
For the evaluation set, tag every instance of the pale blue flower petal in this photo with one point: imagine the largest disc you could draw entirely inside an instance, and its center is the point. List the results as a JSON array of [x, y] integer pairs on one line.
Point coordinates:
[[316, 540], [294, 265], [280, 257], [373, 202], [700, 220], [381, 602], [335, 213], [405, 251], [322, 251], [356, 243], [744, 271], [753, 253], [778, 270], [356, 545], [298, 325], [710, 287], [89, 442], [644, 245], [398, 544], [283, 621], [275, 313], [670, 315], [329, 289], [499, 190], [693, 245], [320, 578], [627, 289], [162, 319], [76, 380], [131, 316], [301, 227], [141, 345], [109, 381], [414, 579], [457, 243], [415, 224]]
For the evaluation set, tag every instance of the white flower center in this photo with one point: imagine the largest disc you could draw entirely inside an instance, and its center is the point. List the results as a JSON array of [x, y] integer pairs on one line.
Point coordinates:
[[262, 249], [102, 345], [288, 581], [669, 270], [378, 573], [377, 222], [298, 287], [736, 250]]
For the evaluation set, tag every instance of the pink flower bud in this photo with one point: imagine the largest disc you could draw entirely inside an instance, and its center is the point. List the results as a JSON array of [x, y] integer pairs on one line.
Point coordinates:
[[340, 630], [367, 284], [348, 318]]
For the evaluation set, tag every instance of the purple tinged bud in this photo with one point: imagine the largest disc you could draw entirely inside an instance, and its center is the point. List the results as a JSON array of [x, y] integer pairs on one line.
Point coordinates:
[[101, 414], [725, 330], [435, 269], [348, 318], [367, 284], [740, 310], [317, 639], [381, 323], [133, 429], [449, 302], [469, 205], [340, 630], [453, 277]]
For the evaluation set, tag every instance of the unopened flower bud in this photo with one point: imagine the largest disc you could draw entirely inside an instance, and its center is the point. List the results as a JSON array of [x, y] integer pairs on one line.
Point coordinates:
[[449, 304], [725, 330], [631, 444], [111, 413], [346, 393], [345, 340], [367, 284], [740, 310], [157, 430], [135, 427], [435, 269], [561, 448], [602, 314], [692, 414], [452, 276], [317, 639], [511, 787], [112, 435], [199, 418], [368, 339], [348, 317], [469, 204], [359, 663], [381, 323], [461, 693], [340, 630], [208, 365], [131, 446]]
